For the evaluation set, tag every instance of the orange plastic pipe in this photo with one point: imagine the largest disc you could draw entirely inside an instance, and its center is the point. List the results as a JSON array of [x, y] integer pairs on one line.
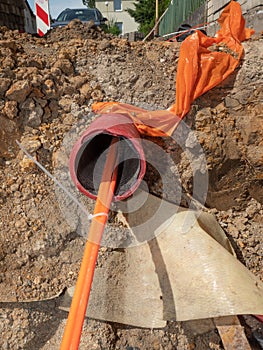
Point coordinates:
[[72, 332]]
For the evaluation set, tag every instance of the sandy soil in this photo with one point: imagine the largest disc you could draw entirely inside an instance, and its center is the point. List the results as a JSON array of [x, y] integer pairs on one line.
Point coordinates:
[[47, 87]]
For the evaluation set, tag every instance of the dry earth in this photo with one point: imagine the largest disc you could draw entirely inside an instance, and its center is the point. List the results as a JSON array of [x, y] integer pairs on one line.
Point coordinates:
[[47, 87]]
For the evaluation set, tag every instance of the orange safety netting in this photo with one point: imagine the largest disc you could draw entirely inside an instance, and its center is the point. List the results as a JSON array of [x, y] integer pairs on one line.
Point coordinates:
[[199, 70]]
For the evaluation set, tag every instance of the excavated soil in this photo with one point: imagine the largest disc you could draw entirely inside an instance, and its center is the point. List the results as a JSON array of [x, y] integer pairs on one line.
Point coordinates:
[[47, 87]]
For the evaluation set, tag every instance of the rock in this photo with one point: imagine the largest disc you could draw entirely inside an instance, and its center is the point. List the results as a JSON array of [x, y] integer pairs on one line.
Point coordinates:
[[49, 89], [33, 113], [21, 225], [10, 44], [104, 44], [4, 85], [86, 90], [14, 187], [77, 81], [19, 91], [27, 164], [231, 102], [243, 96], [53, 106], [234, 232], [251, 210], [36, 62], [31, 143], [65, 66], [38, 280], [97, 95], [65, 103], [10, 109]]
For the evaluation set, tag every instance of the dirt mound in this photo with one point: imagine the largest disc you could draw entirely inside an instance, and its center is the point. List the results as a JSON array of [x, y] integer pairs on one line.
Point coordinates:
[[77, 30], [47, 86]]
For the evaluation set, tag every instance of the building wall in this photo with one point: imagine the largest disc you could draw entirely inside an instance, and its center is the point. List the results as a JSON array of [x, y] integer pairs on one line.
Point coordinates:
[[30, 19], [119, 16], [251, 9], [12, 14], [214, 7], [17, 14]]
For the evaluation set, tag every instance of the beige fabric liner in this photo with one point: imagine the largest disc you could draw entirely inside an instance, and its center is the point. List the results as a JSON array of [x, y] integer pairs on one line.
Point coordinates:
[[188, 271]]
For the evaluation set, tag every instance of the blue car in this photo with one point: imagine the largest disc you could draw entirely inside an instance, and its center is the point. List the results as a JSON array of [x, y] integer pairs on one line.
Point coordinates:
[[83, 14]]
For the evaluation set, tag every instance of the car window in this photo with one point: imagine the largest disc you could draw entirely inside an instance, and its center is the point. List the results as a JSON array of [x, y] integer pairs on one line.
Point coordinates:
[[83, 15], [99, 15], [61, 17]]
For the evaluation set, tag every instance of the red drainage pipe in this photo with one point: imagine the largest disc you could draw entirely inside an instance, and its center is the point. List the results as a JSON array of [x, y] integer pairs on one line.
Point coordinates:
[[259, 317], [88, 156]]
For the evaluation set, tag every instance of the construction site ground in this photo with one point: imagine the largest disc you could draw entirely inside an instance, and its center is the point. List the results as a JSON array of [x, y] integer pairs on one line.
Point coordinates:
[[47, 86]]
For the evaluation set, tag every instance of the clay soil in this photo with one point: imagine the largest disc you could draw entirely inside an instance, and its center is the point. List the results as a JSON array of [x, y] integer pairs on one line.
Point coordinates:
[[47, 87]]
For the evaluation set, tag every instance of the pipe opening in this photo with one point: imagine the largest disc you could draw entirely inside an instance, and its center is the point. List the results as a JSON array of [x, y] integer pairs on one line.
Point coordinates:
[[90, 161]]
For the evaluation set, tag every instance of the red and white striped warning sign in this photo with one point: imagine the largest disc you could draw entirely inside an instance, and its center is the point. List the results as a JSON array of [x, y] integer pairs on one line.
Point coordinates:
[[42, 16]]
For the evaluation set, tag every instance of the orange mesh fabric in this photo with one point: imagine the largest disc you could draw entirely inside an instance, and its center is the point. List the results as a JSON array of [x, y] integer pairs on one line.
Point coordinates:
[[199, 70], [153, 123]]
